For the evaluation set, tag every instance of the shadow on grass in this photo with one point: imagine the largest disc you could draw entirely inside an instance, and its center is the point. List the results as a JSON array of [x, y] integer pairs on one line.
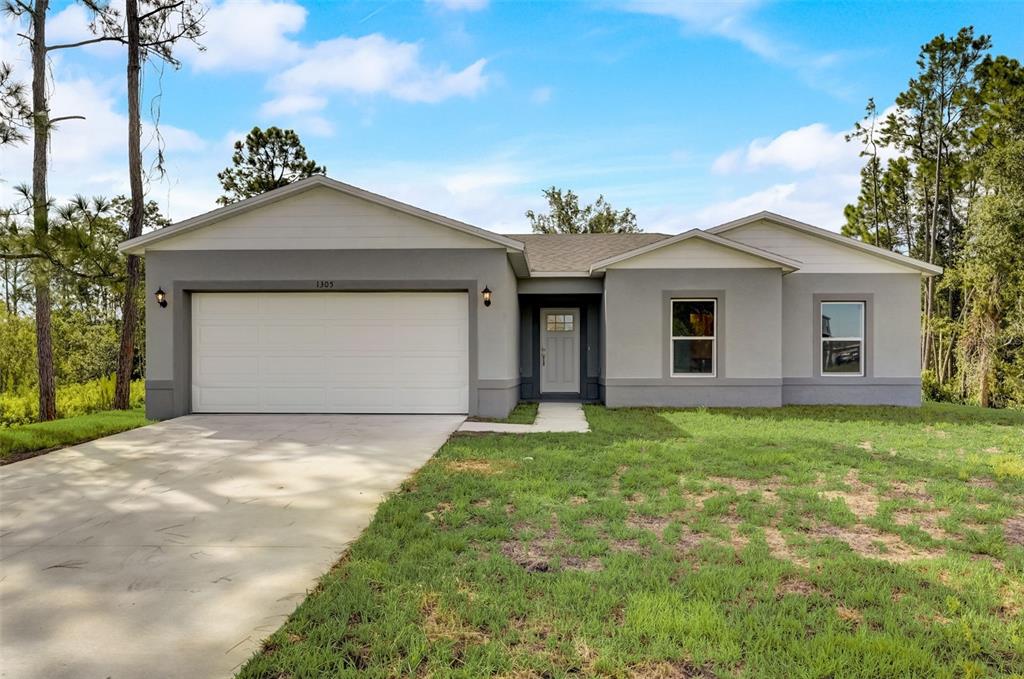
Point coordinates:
[[928, 414]]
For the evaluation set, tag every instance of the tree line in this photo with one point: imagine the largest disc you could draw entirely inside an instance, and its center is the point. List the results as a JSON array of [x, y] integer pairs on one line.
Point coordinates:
[[943, 181]]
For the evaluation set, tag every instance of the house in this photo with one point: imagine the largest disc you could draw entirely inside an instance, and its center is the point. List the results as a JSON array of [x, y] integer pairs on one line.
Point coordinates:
[[322, 297]]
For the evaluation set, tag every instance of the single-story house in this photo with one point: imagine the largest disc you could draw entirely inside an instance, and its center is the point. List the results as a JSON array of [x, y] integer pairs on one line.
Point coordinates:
[[321, 297]]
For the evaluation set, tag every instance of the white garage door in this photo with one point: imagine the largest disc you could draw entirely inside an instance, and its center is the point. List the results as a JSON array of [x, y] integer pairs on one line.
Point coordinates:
[[330, 352]]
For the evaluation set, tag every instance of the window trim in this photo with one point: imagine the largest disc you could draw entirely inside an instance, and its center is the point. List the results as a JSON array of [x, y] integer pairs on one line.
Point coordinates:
[[672, 337], [862, 339]]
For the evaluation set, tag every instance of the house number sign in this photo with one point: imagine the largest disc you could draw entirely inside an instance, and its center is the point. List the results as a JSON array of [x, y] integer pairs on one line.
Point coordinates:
[[324, 285]]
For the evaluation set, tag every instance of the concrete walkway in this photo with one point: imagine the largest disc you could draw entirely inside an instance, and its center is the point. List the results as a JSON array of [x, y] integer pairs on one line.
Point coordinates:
[[173, 550], [551, 417]]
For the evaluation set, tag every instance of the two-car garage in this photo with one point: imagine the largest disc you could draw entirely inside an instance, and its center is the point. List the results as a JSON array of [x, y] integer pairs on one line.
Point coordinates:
[[330, 352]]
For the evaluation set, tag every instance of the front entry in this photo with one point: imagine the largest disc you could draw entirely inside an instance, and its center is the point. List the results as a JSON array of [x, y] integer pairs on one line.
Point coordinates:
[[560, 351]]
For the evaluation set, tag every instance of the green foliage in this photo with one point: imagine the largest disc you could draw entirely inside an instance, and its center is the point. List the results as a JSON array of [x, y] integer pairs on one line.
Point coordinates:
[[566, 216], [15, 111], [28, 438], [265, 160], [72, 400], [953, 195], [84, 349], [18, 358]]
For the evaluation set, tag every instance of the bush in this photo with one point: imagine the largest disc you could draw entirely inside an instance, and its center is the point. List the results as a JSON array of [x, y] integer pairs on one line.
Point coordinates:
[[72, 400], [933, 391]]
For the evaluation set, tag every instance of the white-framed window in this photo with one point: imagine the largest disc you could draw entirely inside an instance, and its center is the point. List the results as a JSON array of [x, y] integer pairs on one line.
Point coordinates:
[[693, 348], [842, 339]]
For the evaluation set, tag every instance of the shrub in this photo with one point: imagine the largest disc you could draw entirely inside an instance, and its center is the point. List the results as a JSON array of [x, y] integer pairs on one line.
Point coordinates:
[[933, 391], [72, 399]]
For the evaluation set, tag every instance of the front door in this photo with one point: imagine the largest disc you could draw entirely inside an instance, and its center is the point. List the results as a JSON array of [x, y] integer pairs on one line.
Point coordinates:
[[559, 351]]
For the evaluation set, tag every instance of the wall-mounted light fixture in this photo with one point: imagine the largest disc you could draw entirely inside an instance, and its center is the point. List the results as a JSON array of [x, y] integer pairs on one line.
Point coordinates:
[[161, 297], [487, 296]]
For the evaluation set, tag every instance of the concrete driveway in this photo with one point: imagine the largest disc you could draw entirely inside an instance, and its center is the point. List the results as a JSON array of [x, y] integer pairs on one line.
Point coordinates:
[[174, 549]]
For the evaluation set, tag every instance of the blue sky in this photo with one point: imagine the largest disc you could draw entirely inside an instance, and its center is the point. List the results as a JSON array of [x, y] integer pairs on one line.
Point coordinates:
[[689, 113]]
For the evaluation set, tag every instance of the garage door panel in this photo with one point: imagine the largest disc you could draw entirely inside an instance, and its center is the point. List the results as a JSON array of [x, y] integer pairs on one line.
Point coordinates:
[[361, 400], [228, 397], [352, 338], [216, 335], [431, 369], [330, 352], [365, 368], [303, 398], [226, 304], [290, 367], [293, 306], [276, 333], [229, 366]]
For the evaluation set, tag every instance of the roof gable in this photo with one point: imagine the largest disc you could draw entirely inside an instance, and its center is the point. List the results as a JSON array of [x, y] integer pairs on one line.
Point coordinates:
[[696, 249], [571, 254], [818, 250], [318, 213]]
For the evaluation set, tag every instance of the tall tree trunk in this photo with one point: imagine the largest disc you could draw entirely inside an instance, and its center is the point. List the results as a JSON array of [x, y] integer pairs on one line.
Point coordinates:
[[129, 307], [40, 212], [932, 234]]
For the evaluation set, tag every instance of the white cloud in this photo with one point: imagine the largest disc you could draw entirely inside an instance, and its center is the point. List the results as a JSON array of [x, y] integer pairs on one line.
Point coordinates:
[[290, 104], [374, 64], [541, 95], [811, 147], [817, 199], [728, 162], [248, 35], [459, 5]]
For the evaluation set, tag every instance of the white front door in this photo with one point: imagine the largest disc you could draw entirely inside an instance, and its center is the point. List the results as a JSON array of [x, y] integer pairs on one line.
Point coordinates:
[[559, 351], [330, 352]]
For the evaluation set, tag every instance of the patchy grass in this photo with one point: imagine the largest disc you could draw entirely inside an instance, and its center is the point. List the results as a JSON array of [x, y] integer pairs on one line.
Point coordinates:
[[523, 413], [29, 440], [811, 542]]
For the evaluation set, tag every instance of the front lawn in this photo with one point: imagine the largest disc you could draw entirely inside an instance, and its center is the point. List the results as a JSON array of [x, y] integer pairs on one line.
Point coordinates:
[[801, 542], [26, 440]]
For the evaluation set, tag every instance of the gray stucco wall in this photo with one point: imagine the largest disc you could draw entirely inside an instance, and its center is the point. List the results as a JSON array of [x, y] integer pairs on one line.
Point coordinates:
[[892, 368], [749, 334], [494, 330]]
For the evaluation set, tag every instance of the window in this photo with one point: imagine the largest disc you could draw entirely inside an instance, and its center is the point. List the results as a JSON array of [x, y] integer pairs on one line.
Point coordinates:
[[693, 337], [842, 338], [559, 322]]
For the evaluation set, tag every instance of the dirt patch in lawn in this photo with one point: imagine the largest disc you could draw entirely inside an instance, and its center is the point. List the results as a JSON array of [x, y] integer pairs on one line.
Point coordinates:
[[873, 543], [655, 524], [543, 553], [486, 467], [679, 669], [861, 499], [792, 584], [849, 614], [780, 549], [767, 487], [1013, 531], [903, 490], [924, 518], [439, 624]]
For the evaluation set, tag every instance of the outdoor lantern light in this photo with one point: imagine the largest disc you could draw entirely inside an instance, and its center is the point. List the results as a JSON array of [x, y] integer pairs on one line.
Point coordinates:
[[161, 297], [487, 296]]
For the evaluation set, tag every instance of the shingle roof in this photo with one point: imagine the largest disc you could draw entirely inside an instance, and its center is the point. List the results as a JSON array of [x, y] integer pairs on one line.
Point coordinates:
[[575, 252]]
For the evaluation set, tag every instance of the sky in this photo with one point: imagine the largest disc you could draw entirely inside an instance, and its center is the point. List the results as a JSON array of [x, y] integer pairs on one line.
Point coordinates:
[[689, 113]]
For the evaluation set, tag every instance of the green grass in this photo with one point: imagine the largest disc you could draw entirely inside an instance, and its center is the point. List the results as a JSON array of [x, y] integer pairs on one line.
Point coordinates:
[[16, 442], [797, 542], [523, 413]]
